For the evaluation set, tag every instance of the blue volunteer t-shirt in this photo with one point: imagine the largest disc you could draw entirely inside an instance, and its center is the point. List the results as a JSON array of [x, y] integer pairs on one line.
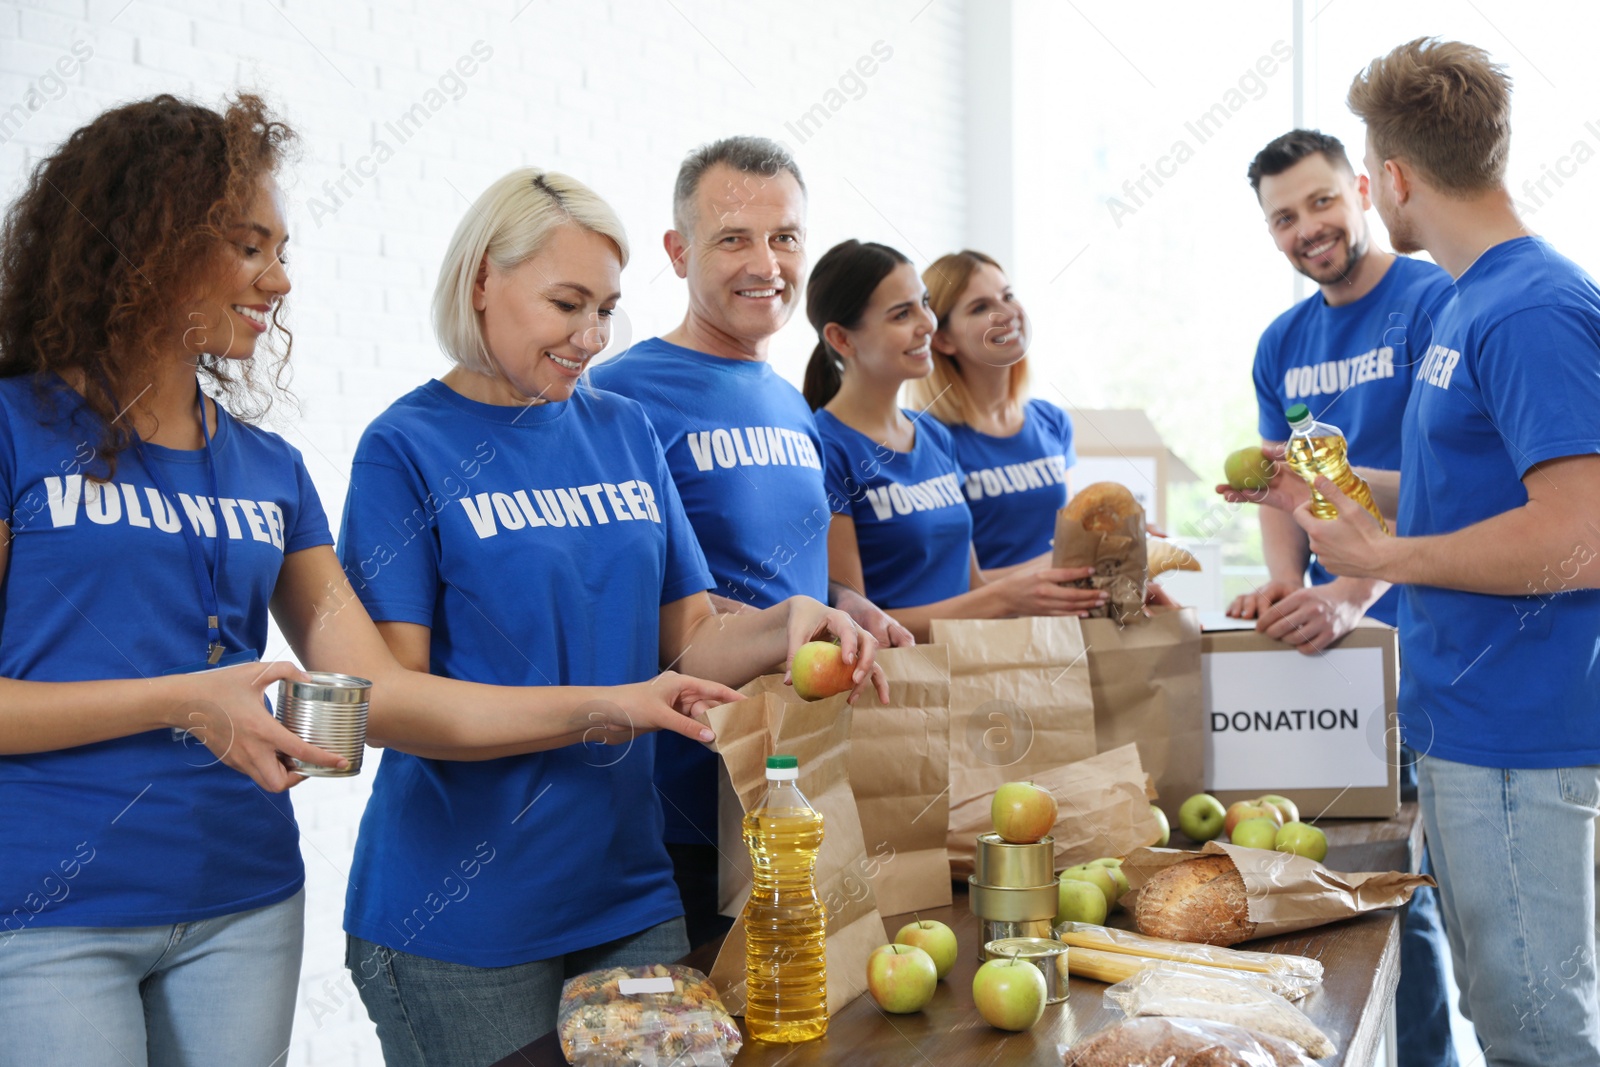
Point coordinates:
[[1512, 379], [149, 829], [539, 545], [913, 528], [1352, 366], [747, 461], [1015, 485]]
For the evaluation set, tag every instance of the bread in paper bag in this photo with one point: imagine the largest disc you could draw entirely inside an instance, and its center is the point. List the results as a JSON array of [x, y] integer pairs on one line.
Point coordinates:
[[1103, 527]]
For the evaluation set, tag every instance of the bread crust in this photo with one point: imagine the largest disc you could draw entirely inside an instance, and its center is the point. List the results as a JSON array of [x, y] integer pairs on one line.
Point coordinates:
[[1201, 900], [1103, 507], [1162, 556]]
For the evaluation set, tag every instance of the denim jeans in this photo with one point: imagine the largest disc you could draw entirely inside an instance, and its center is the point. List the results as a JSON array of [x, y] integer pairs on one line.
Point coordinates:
[[1422, 999], [1514, 854], [198, 994], [430, 1013]]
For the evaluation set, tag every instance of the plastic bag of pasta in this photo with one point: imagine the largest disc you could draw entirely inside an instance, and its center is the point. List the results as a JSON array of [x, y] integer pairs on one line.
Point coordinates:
[[652, 1016]]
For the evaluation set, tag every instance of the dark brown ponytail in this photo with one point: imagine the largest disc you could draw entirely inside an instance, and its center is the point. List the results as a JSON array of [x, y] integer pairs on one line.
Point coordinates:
[[841, 287]]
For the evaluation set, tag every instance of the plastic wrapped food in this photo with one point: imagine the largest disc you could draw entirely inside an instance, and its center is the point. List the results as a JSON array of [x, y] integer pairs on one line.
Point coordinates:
[[653, 1016], [1110, 955], [1184, 991], [1182, 1043]]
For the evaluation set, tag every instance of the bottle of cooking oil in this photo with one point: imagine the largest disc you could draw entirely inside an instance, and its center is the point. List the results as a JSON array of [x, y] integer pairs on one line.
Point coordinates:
[[1316, 448], [786, 978]]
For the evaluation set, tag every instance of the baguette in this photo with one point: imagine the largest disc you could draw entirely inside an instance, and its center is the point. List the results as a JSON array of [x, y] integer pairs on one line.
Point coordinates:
[[1202, 899]]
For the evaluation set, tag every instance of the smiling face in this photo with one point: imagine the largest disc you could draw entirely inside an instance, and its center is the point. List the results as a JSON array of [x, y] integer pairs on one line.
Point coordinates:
[[1316, 213], [746, 256], [890, 343], [987, 325], [544, 319], [237, 305]]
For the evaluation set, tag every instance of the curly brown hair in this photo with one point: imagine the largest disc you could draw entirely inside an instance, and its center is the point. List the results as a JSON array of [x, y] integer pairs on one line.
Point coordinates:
[[115, 233]]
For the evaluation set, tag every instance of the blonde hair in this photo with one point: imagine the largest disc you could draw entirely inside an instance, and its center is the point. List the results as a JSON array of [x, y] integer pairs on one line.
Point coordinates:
[[1443, 106], [509, 223], [943, 393]]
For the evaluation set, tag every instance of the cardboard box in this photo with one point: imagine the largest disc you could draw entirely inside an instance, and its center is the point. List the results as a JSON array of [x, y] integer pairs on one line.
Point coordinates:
[[1121, 445], [1321, 730]]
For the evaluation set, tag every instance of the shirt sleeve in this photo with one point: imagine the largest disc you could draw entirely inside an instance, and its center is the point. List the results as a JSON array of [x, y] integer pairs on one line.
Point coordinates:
[[686, 570], [1270, 421], [1539, 372], [310, 521], [388, 541], [1061, 427]]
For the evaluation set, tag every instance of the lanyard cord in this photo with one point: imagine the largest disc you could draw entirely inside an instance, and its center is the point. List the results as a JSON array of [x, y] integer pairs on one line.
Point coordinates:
[[205, 578]]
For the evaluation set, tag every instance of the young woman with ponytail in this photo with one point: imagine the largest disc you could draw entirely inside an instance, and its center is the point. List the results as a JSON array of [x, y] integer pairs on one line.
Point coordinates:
[[901, 532]]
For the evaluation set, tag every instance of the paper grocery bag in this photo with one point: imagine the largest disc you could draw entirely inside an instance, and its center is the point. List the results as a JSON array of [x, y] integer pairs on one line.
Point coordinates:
[[1147, 691], [1285, 892], [1119, 558], [1020, 705], [818, 735], [900, 774]]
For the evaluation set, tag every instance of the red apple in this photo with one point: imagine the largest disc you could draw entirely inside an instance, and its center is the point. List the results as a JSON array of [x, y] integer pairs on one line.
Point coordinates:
[[819, 670], [1240, 810], [901, 978], [1285, 806], [1009, 993], [934, 938], [1022, 812]]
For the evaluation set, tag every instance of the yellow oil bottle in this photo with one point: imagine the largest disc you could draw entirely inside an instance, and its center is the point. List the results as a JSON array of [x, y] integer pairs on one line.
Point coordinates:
[[1317, 448], [785, 971]]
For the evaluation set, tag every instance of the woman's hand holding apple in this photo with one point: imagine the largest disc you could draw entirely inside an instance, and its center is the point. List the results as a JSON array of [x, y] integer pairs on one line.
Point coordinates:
[[811, 620]]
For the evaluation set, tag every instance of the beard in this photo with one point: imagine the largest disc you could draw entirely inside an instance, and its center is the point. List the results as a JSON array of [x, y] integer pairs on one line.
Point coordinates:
[[1335, 273]]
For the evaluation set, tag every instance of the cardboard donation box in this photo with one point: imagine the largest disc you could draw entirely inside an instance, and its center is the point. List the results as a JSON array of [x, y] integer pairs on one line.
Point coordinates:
[[1122, 445], [1321, 729]]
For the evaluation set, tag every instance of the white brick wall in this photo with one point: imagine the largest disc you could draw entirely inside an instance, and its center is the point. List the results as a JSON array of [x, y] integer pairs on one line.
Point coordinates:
[[614, 93]]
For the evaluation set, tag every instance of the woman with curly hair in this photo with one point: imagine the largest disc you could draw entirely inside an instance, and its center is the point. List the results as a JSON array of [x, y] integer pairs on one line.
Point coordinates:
[[150, 876]]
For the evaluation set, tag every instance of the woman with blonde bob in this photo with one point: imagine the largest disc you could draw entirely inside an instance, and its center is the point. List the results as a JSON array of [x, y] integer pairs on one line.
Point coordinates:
[[900, 530], [509, 523], [1015, 453]]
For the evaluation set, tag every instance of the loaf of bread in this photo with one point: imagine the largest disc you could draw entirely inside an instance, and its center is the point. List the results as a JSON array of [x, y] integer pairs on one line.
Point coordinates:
[[1103, 507], [1183, 1043], [1202, 900]]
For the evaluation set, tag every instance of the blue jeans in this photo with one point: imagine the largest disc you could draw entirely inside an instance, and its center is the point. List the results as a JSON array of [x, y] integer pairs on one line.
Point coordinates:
[[435, 1014], [1422, 999], [1514, 852], [192, 995]]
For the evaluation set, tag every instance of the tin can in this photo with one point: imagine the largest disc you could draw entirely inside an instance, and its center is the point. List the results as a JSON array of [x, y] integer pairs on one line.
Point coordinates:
[[329, 711], [1049, 955]]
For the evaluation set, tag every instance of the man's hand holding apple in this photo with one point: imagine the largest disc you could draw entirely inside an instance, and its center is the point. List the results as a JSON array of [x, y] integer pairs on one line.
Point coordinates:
[[1285, 490]]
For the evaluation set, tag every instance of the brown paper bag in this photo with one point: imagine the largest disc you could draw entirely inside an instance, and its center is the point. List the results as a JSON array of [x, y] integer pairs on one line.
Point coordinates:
[[1101, 808], [818, 735], [1147, 691], [1119, 559], [900, 774], [1285, 892], [1020, 705]]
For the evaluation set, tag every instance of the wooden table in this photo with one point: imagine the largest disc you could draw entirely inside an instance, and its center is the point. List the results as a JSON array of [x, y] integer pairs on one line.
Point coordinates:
[[1361, 959]]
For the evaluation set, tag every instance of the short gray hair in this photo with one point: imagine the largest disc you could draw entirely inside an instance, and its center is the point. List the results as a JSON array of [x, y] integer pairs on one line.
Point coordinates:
[[748, 155], [509, 224]]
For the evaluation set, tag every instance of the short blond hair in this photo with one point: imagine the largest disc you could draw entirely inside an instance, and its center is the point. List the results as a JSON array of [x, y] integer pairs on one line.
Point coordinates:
[[1443, 106], [509, 224], [943, 393]]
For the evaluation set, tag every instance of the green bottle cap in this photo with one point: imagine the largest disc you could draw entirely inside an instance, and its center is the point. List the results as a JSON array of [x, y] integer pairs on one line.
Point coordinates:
[[1298, 413], [782, 763]]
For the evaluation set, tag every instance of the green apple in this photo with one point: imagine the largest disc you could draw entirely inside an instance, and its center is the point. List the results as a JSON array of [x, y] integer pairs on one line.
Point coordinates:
[[901, 978], [1022, 812], [819, 670], [1121, 881], [1248, 469], [1106, 861], [1255, 833], [1099, 877], [1303, 839], [1166, 827], [1285, 806], [1240, 810], [1009, 994], [1201, 817], [934, 938], [1079, 902]]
